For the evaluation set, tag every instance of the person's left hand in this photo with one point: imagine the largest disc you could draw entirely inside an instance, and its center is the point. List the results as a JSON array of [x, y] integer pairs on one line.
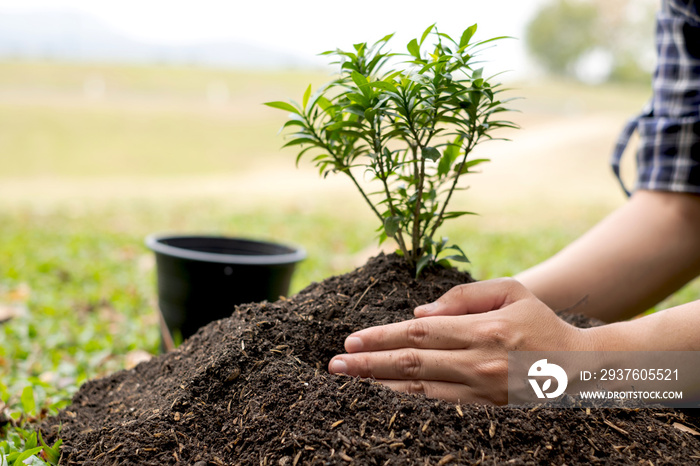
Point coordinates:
[[457, 347]]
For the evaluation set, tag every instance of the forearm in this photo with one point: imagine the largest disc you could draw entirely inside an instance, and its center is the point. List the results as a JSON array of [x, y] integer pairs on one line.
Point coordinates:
[[630, 261], [674, 329]]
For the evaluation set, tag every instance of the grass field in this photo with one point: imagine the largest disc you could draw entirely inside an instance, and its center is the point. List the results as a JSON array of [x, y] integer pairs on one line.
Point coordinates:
[[95, 157]]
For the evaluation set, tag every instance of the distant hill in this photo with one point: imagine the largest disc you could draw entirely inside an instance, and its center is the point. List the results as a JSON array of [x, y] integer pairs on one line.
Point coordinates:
[[65, 35]]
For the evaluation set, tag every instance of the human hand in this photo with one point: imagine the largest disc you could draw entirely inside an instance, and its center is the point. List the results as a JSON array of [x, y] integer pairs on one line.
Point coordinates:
[[457, 347]]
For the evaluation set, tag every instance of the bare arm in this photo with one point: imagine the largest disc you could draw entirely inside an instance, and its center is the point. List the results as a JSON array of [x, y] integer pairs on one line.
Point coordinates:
[[633, 259], [674, 329]]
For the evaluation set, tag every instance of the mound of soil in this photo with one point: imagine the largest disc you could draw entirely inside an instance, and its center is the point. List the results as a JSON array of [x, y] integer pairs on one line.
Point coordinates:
[[253, 389]]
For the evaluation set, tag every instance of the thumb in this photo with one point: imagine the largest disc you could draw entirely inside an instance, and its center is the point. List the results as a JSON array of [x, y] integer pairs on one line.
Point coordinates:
[[475, 298]]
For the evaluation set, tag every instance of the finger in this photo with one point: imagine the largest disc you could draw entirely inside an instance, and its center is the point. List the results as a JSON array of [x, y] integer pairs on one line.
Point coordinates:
[[404, 364], [435, 333], [454, 392], [475, 298]]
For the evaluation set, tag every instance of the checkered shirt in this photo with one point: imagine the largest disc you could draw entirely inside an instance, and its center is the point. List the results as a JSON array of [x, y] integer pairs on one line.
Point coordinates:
[[668, 157]]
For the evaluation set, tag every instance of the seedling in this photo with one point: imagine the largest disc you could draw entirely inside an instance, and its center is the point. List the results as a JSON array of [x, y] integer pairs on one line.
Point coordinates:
[[411, 128]]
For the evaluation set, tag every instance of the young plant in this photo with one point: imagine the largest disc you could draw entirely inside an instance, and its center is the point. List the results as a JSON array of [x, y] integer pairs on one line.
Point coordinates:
[[411, 127]]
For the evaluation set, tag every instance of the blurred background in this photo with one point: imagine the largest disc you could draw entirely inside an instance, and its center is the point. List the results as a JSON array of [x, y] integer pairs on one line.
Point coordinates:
[[120, 119]]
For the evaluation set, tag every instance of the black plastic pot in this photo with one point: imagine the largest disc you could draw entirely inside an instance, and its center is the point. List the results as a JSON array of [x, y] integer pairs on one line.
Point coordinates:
[[202, 278]]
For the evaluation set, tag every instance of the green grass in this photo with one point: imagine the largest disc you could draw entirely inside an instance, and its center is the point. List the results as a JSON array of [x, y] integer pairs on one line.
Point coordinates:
[[75, 264]]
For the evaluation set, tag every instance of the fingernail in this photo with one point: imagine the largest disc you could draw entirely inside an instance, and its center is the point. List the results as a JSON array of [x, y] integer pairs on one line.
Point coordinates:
[[338, 366], [428, 308], [353, 344]]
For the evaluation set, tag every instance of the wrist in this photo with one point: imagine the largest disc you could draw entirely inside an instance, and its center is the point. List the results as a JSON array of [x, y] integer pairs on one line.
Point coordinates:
[[620, 336]]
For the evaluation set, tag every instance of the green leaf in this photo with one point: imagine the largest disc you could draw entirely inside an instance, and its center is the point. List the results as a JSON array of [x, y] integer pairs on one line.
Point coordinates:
[[414, 48], [298, 141], [469, 164], [445, 36], [459, 257], [359, 47], [475, 97], [427, 66], [351, 133], [383, 85], [392, 225], [491, 40], [31, 442], [355, 109], [27, 398], [305, 99], [361, 81], [449, 156], [426, 32], [430, 153], [294, 123], [52, 453], [385, 38], [304, 151], [333, 125], [467, 36], [360, 99], [458, 214], [422, 263], [444, 263], [283, 106], [324, 103], [428, 244], [19, 460], [390, 77]]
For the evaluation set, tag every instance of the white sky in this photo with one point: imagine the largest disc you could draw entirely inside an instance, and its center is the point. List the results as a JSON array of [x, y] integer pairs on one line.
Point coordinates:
[[304, 27]]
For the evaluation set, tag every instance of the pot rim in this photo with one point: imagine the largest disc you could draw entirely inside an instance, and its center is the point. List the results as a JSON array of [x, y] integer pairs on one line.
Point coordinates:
[[153, 242]]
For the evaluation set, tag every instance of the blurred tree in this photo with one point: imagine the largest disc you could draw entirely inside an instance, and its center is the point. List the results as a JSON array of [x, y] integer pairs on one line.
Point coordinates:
[[594, 40], [561, 33]]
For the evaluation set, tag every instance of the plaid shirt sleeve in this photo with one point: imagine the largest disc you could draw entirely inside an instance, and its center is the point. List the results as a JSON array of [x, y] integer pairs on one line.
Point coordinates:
[[668, 157]]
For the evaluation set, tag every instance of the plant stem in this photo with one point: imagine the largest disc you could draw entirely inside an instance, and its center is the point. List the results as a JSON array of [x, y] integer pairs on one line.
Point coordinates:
[[419, 170], [419, 174], [430, 133], [467, 151], [382, 176]]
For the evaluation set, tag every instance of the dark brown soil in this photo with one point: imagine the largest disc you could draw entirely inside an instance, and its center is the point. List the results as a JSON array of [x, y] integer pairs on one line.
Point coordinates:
[[253, 389]]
